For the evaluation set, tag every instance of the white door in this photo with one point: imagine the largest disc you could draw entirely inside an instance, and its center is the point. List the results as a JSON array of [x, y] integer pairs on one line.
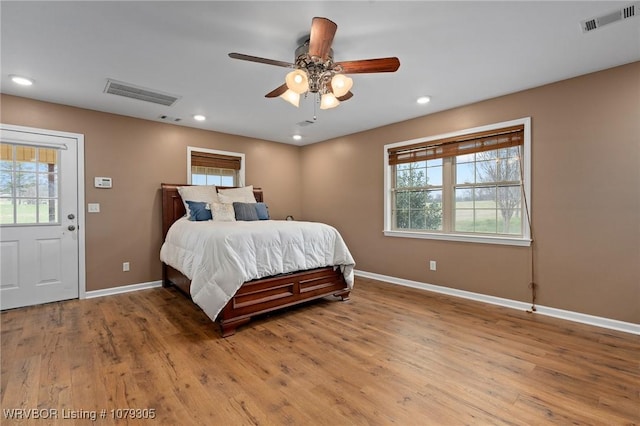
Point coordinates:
[[39, 248]]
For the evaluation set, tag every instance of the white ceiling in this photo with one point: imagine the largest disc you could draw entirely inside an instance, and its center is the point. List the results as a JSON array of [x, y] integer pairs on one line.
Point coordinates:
[[455, 52]]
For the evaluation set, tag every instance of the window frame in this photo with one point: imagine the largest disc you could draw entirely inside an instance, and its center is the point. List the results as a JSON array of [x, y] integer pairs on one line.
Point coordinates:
[[524, 240], [241, 174]]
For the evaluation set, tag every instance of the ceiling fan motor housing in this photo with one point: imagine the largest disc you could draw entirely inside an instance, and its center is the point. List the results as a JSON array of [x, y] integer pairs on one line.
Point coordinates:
[[319, 72]]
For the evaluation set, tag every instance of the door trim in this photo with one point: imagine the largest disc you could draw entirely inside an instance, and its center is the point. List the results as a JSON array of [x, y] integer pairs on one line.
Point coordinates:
[[82, 283]]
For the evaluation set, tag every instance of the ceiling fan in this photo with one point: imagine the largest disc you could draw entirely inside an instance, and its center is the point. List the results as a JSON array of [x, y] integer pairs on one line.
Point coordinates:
[[314, 70]]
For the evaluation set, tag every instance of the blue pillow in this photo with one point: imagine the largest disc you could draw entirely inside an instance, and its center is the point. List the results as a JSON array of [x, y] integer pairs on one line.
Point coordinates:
[[199, 211], [245, 211], [262, 210]]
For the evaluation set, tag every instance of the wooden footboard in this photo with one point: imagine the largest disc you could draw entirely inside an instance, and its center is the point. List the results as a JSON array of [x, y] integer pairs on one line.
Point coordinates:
[[269, 294], [266, 295]]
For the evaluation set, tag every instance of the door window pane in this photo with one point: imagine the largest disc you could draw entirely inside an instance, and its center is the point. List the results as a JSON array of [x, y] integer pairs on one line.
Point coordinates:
[[29, 184]]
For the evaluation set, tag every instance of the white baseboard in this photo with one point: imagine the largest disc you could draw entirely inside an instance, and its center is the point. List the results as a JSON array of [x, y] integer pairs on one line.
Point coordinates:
[[612, 324], [122, 289]]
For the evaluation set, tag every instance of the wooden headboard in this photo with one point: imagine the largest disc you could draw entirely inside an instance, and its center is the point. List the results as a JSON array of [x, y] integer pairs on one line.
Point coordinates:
[[173, 207]]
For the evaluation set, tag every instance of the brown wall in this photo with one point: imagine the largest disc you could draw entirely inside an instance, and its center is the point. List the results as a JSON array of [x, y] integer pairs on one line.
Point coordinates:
[[139, 155], [585, 198], [586, 192]]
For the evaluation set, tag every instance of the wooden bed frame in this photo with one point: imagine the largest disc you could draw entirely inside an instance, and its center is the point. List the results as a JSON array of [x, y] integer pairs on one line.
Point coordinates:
[[257, 296]]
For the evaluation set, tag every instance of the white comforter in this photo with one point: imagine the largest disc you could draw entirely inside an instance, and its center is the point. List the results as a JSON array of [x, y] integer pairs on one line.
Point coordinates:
[[219, 256]]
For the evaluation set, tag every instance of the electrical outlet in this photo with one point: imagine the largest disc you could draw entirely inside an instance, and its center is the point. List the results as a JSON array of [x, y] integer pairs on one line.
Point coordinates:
[[432, 265], [125, 266]]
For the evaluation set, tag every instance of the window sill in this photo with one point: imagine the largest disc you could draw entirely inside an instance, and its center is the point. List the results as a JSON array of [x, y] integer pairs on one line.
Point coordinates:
[[483, 239]]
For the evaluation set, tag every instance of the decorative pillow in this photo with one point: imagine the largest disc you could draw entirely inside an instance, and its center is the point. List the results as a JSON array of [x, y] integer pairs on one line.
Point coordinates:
[[245, 211], [239, 195], [203, 193], [262, 210], [223, 212], [199, 211]]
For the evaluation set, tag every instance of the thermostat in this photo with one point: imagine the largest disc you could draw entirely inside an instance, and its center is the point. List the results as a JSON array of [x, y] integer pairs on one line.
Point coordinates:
[[102, 182]]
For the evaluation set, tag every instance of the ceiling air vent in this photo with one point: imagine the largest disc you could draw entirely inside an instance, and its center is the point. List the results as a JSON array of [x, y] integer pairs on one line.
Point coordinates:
[[169, 118], [130, 91], [618, 15], [305, 123]]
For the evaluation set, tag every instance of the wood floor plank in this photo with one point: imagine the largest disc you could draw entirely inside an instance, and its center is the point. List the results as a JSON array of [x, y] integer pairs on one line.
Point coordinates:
[[390, 355]]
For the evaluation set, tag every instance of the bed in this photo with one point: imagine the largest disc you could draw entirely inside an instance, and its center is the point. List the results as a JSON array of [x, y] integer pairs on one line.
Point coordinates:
[[206, 282]]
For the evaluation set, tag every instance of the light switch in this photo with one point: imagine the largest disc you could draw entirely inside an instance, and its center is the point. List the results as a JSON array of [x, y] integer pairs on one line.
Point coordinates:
[[93, 207]]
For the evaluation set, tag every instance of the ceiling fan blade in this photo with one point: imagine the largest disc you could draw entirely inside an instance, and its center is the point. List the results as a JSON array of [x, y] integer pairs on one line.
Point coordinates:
[[370, 65], [250, 58], [345, 97], [277, 92], [321, 38]]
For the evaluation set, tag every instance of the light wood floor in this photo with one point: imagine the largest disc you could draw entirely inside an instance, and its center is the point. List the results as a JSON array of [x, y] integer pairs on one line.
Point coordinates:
[[399, 356]]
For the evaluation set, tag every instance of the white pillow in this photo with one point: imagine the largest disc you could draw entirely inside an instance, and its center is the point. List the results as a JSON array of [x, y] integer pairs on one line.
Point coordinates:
[[202, 193], [223, 212], [237, 195]]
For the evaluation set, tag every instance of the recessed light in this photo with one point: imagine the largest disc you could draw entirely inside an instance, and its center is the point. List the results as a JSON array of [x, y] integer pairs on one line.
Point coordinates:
[[297, 137], [199, 117], [424, 100], [23, 81]]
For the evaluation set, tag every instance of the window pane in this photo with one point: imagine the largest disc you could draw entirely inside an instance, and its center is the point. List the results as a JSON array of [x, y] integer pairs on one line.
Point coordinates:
[[417, 219], [402, 200], [465, 173], [403, 178], [48, 211], [509, 170], [213, 180], [402, 219], [25, 184], [6, 211], [417, 199], [485, 197], [486, 171], [26, 211], [198, 179], [509, 210], [434, 176], [433, 211], [47, 185], [6, 183], [228, 181], [418, 177], [485, 221], [464, 198], [463, 221]]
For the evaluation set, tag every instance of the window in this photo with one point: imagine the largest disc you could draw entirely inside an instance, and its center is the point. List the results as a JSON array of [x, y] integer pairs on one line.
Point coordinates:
[[29, 179], [210, 167], [471, 185]]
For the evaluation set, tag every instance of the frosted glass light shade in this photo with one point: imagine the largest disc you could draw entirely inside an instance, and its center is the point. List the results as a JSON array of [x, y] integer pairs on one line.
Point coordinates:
[[292, 97], [297, 81], [329, 100], [341, 84]]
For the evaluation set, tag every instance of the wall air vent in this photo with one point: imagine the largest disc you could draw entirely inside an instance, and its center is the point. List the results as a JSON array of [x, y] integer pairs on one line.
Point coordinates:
[[135, 92], [618, 15]]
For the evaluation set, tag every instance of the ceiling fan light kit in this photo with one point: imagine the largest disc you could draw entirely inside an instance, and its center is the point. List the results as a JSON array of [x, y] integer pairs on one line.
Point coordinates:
[[292, 97], [315, 72]]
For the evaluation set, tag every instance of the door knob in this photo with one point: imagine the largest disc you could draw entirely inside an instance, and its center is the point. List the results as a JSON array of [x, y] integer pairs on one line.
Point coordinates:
[[71, 216], [71, 228]]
